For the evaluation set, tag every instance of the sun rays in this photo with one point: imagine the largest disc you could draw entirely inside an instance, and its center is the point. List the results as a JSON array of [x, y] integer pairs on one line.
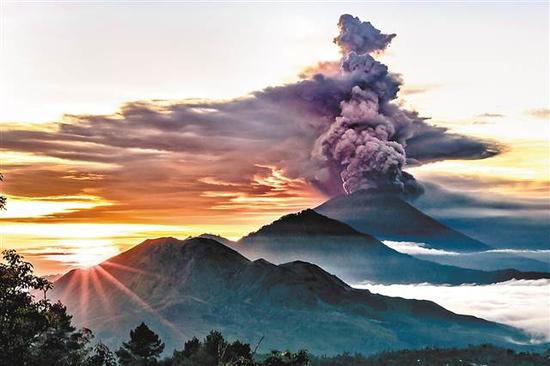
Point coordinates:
[[97, 286]]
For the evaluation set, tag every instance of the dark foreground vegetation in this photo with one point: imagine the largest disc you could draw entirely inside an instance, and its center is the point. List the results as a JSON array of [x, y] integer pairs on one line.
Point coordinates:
[[474, 355], [37, 332]]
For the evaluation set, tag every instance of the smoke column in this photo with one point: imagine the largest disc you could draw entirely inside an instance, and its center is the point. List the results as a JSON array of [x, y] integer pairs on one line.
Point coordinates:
[[367, 140]]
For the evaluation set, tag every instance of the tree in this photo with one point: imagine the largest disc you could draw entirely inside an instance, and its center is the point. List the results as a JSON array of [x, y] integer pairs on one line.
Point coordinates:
[[143, 349], [191, 347], [215, 346], [35, 332], [21, 318], [287, 359], [61, 343], [2, 198], [238, 351], [102, 356]]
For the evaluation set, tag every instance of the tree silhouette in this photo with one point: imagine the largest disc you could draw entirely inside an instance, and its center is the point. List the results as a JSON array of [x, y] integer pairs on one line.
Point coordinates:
[[286, 359], [35, 332], [102, 356], [143, 349], [2, 198]]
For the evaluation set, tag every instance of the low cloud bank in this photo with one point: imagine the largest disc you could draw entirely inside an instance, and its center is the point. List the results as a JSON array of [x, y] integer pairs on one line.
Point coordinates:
[[537, 260], [524, 304], [412, 248]]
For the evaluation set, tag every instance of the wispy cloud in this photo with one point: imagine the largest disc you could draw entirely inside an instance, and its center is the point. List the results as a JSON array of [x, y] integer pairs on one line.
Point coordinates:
[[412, 248], [542, 113], [418, 89]]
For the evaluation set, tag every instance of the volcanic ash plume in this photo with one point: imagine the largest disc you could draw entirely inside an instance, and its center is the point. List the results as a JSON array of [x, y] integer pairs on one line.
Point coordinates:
[[367, 140]]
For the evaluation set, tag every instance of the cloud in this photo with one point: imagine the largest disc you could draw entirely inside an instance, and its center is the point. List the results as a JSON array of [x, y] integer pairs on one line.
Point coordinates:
[[491, 115], [170, 160], [413, 248], [500, 220], [521, 251], [432, 143], [520, 303], [542, 113], [360, 37], [418, 89]]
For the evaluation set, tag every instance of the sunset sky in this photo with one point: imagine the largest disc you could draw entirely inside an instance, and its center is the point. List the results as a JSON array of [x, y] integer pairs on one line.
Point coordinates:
[[124, 121]]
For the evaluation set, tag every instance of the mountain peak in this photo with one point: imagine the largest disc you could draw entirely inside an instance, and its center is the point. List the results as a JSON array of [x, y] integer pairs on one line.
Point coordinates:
[[389, 217], [306, 222], [152, 253]]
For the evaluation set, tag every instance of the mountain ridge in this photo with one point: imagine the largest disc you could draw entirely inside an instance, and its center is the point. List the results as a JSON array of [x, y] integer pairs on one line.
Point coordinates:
[[355, 256], [186, 288]]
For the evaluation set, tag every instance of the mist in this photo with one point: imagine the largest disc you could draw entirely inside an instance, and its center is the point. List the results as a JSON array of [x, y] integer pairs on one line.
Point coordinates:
[[524, 304]]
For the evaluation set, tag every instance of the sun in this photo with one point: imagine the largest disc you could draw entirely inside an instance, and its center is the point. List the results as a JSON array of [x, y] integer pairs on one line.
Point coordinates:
[[84, 253]]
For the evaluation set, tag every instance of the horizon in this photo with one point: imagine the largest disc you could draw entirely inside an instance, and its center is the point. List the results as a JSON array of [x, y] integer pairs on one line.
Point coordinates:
[[99, 195]]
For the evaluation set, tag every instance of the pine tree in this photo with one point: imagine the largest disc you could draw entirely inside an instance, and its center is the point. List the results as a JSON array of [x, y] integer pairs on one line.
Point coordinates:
[[143, 349]]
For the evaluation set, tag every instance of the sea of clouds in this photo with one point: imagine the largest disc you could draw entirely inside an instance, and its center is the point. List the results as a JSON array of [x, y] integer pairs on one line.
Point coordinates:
[[414, 248], [530, 260], [524, 304]]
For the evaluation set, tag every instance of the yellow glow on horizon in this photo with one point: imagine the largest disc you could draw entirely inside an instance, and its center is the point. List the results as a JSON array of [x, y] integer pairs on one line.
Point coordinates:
[[58, 247], [19, 207], [81, 253], [21, 158], [527, 163]]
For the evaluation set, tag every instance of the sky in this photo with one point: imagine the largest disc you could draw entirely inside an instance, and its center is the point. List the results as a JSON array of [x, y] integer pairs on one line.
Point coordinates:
[[93, 97]]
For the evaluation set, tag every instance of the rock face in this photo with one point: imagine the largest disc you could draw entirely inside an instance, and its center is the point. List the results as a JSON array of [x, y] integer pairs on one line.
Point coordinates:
[[353, 256], [388, 217], [186, 288]]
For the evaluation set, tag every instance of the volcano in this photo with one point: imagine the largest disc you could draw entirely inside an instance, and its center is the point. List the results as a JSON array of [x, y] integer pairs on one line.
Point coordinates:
[[186, 288], [389, 217]]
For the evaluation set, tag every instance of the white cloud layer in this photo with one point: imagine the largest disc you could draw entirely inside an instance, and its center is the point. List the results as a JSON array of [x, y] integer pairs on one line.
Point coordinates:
[[524, 304], [412, 248]]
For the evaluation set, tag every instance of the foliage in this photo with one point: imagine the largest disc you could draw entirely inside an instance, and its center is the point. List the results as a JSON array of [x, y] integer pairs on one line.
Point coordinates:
[[35, 332], [287, 358], [102, 356], [215, 350], [143, 349], [2, 198], [473, 355]]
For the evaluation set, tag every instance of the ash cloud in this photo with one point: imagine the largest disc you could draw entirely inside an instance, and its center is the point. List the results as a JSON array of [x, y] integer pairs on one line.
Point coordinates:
[[370, 139], [360, 37], [338, 129]]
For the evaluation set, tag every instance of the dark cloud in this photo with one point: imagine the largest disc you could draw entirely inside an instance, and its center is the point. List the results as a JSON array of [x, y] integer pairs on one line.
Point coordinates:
[[435, 143], [360, 37], [498, 220]]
